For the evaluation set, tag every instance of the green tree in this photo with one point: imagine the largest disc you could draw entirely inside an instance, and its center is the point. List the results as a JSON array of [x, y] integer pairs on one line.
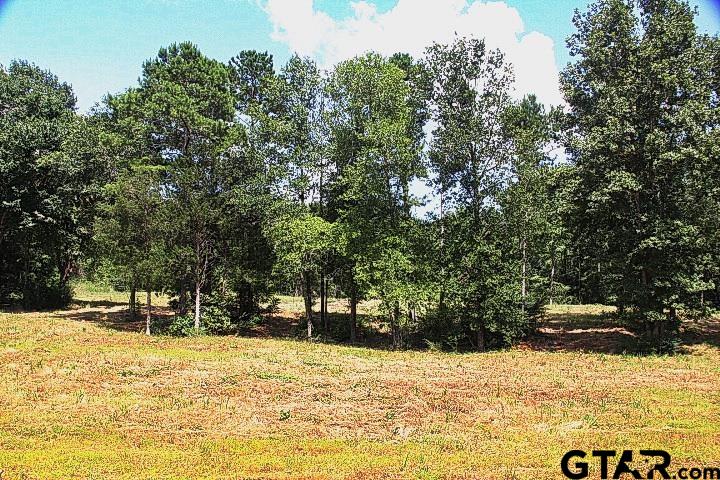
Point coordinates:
[[302, 134], [375, 159], [188, 100], [532, 225], [52, 173], [131, 230], [642, 103], [255, 172], [303, 247], [470, 158]]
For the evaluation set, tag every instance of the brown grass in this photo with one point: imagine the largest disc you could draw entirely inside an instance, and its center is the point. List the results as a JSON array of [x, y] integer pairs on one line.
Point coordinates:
[[82, 398]]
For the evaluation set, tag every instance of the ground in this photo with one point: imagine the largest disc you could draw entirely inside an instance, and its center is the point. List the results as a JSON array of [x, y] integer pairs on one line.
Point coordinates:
[[85, 395]]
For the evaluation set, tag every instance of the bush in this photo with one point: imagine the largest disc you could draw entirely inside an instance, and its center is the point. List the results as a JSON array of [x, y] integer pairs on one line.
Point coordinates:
[[219, 315], [216, 319], [178, 326], [222, 314], [46, 292], [651, 345], [658, 333]]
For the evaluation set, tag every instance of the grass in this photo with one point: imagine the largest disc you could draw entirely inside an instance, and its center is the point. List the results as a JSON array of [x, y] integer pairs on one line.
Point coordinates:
[[84, 399]]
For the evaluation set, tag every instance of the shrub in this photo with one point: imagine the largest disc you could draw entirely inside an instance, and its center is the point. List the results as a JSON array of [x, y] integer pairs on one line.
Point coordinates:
[[658, 332], [178, 326]]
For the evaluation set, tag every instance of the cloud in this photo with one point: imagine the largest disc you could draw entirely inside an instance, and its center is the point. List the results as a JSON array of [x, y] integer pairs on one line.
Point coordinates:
[[412, 25]]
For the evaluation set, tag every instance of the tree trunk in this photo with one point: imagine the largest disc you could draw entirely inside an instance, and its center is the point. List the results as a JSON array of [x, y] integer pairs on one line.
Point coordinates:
[[393, 335], [395, 327], [523, 287], [133, 301], [307, 296], [441, 300], [480, 339], [148, 314], [183, 298], [552, 276], [327, 295], [323, 313], [197, 306], [353, 315]]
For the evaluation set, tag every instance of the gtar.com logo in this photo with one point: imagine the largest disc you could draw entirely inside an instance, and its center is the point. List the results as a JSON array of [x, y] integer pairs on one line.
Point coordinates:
[[576, 465]]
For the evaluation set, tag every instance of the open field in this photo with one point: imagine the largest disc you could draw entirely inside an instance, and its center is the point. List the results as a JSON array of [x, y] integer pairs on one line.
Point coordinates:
[[84, 398]]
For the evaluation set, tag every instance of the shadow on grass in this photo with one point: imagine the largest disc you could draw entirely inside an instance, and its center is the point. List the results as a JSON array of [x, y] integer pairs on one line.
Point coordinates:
[[282, 325], [573, 332], [704, 331], [602, 333], [287, 325], [596, 332], [97, 303], [74, 305], [112, 315]]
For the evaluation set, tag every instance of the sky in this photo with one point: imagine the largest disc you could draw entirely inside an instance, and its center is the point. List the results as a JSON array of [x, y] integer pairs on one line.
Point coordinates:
[[98, 46]]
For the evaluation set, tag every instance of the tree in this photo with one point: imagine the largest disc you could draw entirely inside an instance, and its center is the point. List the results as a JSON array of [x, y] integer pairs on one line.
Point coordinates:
[[52, 173], [131, 230], [253, 172], [642, 107], [375, 159], [302, 134], [188, 101], [470, 157], [251, 71], [532, 227], [303, 246]]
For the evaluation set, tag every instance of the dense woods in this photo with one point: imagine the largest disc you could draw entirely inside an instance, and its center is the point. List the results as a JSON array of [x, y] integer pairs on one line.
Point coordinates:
[[224, 184]]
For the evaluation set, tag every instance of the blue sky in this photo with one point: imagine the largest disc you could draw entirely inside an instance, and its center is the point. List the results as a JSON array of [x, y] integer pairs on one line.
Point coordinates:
[[99, 46]]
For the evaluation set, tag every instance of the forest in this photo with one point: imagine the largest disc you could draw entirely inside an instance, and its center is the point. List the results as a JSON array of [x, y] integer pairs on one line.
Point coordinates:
[[422, 184]]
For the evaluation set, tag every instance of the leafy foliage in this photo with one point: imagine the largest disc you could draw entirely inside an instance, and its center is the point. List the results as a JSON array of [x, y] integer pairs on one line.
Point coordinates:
[[226, 183], [52, 169], [643, 97]]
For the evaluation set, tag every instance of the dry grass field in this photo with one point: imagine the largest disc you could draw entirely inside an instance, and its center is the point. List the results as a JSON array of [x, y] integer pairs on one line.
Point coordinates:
[[84, 395]]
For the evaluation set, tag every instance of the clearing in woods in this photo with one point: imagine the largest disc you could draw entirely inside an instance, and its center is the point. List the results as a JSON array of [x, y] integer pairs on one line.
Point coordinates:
[[85, 395]]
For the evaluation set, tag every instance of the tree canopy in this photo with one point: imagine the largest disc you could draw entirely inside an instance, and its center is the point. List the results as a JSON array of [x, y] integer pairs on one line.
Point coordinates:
[[224, 184]]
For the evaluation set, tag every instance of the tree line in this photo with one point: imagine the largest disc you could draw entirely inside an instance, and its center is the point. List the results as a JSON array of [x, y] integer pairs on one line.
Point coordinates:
[[224, 184]]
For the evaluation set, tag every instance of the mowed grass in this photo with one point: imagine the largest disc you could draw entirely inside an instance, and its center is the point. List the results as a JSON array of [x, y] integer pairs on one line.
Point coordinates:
[[81, 398]]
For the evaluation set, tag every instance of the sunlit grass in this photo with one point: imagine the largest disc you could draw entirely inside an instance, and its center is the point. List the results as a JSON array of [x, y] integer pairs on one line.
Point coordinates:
[[89, 294], [82, 400]]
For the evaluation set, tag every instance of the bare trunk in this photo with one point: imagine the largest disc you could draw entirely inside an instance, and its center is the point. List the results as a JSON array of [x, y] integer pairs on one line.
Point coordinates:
[[480, 339], [327, 295], [395, 327], [552, 276], [441, 300], [323, 312], [197, 306], [133, 301], [183, 298], [656, 329], [523, 287], [353, 316], [307, 296], [412, 315], [148, 314]]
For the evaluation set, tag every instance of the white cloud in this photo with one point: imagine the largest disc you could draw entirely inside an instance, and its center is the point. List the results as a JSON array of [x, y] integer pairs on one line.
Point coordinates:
[[412, 25]]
